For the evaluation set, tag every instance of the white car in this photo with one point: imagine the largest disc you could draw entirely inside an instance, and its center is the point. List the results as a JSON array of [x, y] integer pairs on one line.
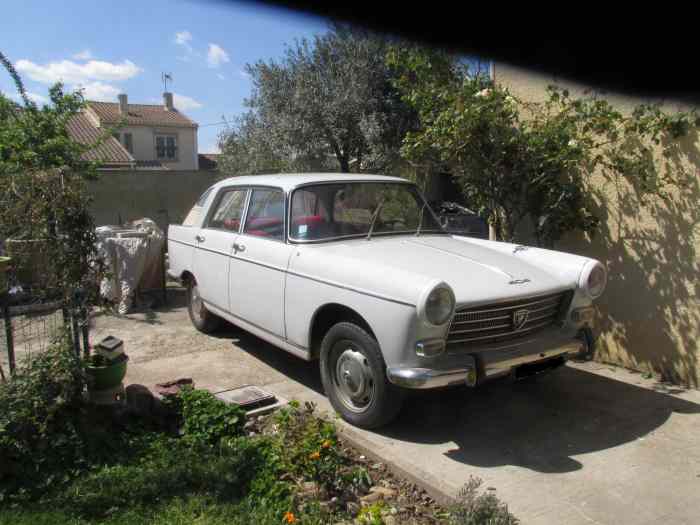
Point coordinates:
[[356, 271]]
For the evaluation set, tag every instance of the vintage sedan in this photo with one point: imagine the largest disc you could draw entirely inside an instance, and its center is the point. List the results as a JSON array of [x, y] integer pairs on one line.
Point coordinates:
[[356, 271]]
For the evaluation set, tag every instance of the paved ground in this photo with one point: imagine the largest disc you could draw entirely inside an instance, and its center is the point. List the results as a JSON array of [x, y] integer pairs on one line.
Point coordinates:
[[589, 444]]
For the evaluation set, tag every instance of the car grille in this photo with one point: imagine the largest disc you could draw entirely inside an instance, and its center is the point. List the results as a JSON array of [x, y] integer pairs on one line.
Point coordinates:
[[494, 323]]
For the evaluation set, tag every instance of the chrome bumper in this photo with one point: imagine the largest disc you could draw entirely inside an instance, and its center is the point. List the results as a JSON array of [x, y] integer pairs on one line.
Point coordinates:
[[486, 365]]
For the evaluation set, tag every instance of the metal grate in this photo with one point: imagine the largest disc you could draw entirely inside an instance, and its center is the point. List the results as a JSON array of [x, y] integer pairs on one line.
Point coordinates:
[[506, 321]]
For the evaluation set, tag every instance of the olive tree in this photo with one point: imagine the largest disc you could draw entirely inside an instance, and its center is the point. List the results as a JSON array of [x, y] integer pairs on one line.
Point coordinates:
[[329, 104]]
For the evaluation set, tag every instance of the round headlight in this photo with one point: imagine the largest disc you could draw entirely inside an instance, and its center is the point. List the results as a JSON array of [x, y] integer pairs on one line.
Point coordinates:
[[439, 305], [594, 280]]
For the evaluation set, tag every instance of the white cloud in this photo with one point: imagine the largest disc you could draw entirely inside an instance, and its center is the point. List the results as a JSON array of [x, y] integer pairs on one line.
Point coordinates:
[[85, 54], [72, 73], [99, 91], [183, 38], [216, 56], [184, 103]]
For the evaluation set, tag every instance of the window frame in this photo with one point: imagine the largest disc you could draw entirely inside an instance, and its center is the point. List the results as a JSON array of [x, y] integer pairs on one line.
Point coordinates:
[[165, 135], [215, 204], [285, 200], [290, 198]]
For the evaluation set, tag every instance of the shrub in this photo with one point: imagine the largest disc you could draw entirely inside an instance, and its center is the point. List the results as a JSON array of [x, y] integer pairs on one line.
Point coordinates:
[[480, 509], [41, 422], [206, 419]]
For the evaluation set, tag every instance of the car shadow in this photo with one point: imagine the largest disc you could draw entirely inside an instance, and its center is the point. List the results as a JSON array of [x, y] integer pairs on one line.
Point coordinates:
[[540, 425]]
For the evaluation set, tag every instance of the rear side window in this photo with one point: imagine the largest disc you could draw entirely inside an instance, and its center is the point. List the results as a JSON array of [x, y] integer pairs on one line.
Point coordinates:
[[266, 214], [228, 210], [193, 217]]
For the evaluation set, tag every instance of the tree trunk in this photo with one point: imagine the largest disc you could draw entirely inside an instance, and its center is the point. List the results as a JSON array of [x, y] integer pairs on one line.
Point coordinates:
[[344, 164]]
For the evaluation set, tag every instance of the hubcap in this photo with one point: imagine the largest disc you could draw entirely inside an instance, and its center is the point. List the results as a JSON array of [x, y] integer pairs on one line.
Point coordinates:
[[354, 380], [197, 303]]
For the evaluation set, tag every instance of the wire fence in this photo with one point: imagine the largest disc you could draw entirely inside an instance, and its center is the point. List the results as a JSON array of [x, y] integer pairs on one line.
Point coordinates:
[[30, 327]]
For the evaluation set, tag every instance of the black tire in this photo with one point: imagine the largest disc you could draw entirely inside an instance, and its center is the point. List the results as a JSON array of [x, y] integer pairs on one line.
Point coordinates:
[[350, 351], [202, 319]]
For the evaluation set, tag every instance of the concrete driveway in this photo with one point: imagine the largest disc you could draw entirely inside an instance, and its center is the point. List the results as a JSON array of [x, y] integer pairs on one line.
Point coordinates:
[[588, 444]]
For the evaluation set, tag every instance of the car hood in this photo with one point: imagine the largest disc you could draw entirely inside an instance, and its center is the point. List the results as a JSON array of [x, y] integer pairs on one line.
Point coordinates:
[[401, 268]]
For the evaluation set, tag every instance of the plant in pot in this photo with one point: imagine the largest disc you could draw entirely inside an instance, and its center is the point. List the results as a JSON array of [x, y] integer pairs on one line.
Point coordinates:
[[106, 368]]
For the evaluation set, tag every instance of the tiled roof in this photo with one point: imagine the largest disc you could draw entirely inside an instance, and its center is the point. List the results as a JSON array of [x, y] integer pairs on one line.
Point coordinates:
[[151, 165], [140, 115], [208, 161], [110, 151]]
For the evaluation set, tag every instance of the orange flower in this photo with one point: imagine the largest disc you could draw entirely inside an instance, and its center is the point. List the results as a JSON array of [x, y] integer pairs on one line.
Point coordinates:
[[326, 444], [289, 517], [315, 455]]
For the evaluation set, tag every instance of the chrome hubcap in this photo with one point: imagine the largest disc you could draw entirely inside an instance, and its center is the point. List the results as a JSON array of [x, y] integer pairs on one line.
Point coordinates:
[[354, 380]]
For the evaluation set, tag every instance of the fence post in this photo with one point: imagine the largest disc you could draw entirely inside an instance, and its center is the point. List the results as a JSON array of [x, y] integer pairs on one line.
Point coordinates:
[[9, 336]]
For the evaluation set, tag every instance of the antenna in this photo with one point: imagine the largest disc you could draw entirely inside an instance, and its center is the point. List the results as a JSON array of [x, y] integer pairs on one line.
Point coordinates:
[[165, 77]]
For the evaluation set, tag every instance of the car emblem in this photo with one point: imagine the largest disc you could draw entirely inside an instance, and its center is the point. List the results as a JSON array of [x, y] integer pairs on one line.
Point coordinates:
[[520, 318]]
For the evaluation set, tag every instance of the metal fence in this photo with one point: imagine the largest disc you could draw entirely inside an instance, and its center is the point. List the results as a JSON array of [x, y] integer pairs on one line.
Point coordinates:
[[31, 325]]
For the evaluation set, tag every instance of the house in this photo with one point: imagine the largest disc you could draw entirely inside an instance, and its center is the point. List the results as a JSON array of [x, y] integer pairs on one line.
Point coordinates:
[[144, 136]]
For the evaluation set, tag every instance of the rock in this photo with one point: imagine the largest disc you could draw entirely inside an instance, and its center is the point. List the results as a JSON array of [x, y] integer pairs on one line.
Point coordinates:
[[139, 400]]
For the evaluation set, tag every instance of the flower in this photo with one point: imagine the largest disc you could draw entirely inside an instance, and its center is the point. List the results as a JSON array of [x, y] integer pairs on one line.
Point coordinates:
[[315, 455], [289, 517], [326, 444]]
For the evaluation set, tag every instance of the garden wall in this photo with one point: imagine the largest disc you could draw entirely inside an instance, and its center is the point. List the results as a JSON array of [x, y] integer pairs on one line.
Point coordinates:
[[164, 196], [650, 313]]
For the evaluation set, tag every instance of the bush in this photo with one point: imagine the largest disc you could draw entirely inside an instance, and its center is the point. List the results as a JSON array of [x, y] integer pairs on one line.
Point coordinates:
[[41, 422], [480, 509], [206, 419]]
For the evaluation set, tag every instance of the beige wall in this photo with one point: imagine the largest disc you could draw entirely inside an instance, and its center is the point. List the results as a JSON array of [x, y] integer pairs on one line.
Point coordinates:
[[164, 196], [145, 145], [650, 313]]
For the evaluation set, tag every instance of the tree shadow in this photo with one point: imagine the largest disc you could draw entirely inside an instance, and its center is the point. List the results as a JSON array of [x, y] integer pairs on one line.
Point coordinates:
[[649, 316]]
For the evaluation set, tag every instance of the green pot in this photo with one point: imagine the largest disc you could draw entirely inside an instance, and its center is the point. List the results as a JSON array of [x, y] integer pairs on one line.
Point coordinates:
[[108, 376], [4, 266]]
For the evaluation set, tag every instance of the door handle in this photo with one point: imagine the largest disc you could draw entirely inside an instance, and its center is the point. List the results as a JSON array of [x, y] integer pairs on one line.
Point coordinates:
[[238, 247], [199, 238]]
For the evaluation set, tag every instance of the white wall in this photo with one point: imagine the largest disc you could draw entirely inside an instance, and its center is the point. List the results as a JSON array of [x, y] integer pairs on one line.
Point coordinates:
[[145, 145]]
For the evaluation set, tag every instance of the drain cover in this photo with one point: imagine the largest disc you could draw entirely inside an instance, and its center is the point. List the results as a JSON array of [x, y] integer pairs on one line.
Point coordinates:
[[248, 397]]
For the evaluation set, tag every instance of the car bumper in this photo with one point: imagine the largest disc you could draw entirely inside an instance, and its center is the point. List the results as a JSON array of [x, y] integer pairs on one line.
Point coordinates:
[[481, 365]]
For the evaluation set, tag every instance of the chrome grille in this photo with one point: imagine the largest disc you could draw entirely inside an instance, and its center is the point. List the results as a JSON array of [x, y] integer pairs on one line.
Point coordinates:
[[504, 321]]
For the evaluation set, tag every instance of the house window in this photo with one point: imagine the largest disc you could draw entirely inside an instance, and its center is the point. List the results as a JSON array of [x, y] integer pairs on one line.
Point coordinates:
[[166, 147], [129, 142]]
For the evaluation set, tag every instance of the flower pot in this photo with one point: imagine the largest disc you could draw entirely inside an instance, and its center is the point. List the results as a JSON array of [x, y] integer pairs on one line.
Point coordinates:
[[4, 266], [108, 375]]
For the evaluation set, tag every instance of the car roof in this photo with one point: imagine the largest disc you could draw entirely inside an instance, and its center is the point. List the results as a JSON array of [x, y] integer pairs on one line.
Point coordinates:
[[289, 181]]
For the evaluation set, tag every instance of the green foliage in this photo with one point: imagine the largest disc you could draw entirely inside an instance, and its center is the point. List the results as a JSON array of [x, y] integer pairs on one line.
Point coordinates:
[[521, 163], [474, 508], [328, 105], [42, 439], [208, 420], [43, 194], [371, 514]]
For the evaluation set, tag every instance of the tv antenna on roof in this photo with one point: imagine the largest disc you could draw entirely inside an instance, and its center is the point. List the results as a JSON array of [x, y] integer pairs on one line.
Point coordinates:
[[166, 77]]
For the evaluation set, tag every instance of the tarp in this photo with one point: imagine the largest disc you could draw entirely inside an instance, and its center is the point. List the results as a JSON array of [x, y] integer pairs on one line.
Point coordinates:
[[133, 257]]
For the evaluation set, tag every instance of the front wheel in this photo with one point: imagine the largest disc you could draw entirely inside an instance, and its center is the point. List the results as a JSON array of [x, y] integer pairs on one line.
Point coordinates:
[[353, 373], [202, 319]]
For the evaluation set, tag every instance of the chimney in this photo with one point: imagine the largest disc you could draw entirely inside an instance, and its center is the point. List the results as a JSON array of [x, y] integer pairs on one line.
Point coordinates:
[[123, 104], [168, 101]]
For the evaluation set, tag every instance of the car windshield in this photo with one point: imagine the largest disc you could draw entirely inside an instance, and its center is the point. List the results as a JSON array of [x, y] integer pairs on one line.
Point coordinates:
[[356, 209]]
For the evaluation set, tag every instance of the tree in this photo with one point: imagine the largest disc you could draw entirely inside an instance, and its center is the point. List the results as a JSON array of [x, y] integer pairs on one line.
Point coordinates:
[[528, 164], [43, 176], [329, 103]]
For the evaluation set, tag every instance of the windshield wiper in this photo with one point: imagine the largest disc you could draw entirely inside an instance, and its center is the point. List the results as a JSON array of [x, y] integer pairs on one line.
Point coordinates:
[[375, 216]]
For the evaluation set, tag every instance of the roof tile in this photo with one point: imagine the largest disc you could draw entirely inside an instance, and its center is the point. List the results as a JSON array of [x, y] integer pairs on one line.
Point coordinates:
[[140, 115]]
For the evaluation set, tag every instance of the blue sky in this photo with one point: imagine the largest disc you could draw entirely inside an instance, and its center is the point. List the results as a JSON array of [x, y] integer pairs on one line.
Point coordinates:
[[113, 47]]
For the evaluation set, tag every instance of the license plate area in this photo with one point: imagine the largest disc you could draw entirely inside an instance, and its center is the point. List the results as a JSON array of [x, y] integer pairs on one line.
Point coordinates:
[[538, 367]]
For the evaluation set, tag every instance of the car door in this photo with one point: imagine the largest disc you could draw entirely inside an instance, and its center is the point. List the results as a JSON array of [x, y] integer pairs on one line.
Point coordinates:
[[259, 263], [214, 245]]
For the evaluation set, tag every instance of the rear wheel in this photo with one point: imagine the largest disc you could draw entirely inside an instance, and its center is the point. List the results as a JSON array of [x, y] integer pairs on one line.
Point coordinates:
[[354, 377], [202, 319]]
